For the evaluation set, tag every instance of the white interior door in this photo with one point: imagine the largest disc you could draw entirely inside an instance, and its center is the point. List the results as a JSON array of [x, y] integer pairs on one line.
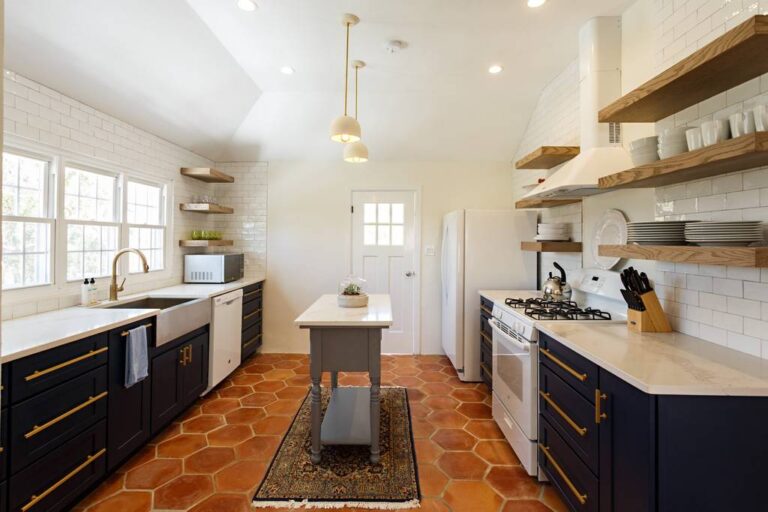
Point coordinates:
[[384, 254]]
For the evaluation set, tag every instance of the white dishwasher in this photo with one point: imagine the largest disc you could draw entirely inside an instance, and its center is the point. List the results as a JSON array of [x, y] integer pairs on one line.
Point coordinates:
[[226, 332]]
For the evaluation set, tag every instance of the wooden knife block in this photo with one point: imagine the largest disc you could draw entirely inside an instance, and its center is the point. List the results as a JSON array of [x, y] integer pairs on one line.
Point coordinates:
[[653, 319]]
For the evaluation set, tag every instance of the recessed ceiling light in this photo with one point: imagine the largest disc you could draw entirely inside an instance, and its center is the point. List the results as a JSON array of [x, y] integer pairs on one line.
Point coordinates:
[[495, 69], [247, 5], [287, 70], [536, 3]]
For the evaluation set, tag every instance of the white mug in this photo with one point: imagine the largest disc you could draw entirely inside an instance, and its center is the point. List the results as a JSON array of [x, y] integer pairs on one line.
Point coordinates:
[[715, 131], [761, 118], [742, 123], [693, 137]]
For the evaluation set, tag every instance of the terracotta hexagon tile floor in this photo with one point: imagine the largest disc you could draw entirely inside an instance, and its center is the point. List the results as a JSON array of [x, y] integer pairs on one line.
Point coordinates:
[[214, 456]]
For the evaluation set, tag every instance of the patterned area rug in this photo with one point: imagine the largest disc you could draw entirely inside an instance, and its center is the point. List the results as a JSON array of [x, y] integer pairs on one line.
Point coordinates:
[[345, 476]]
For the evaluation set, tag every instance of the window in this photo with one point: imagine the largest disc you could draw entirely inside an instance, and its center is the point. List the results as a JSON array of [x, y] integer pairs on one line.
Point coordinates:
[[90, 212], [145, 208], [26, 221], [383, 224]]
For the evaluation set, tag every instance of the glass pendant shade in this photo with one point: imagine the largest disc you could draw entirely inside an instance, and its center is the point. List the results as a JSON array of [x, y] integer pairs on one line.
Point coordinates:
[[356, 153], [345, 129]]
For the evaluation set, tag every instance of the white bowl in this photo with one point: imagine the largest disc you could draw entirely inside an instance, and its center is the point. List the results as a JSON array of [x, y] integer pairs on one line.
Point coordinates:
[[670, 152], [643, 143], [761, 118], [742, 123], [693, 137], [644, 158], [715, 131]]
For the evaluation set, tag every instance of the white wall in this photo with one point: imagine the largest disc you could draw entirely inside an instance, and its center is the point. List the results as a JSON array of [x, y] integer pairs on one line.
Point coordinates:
[[309, 231]]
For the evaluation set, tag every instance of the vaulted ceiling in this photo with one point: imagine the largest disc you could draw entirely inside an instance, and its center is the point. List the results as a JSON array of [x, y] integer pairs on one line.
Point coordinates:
[[206, 75]]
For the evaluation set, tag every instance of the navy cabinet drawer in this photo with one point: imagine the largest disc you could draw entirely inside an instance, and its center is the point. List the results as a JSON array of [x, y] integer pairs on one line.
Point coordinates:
[[486, 309], [39, 372], [251, 313], [50, 419], [251, 341], [252, 292], [4, 444], [5, 373], [574, 369], [571, 414], [3, 496], [573, 479], [56, 481]]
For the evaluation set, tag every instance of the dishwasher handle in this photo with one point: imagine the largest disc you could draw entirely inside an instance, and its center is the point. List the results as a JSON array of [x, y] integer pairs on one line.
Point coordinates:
[[228, 298]]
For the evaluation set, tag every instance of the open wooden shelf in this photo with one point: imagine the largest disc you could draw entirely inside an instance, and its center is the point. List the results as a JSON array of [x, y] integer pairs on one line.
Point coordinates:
[[731, 256], [543, 203], [205, 208], [731, 155], [205, 243], [551, 246], [547, 157], [207, 174], [735, 57]]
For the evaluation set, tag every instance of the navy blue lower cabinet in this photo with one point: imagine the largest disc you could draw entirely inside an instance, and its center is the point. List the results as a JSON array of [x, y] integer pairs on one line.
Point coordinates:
[[129, 408]]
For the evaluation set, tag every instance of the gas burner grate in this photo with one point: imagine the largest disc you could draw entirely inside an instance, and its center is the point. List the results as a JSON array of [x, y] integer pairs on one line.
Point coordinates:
[[539, 303]]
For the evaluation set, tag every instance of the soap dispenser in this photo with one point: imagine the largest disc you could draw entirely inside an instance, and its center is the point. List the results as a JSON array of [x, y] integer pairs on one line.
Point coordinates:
[[93, 292], [85, 293]]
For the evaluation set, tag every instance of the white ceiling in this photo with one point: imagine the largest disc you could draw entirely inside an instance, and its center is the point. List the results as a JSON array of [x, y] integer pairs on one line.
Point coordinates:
[[206, 75]]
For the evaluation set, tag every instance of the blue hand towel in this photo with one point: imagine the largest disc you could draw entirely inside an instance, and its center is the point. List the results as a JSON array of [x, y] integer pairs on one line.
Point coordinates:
[[136, 359]]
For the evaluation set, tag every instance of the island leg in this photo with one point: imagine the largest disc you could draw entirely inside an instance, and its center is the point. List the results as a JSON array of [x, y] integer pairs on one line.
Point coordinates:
[[316, 373], [374, 372]]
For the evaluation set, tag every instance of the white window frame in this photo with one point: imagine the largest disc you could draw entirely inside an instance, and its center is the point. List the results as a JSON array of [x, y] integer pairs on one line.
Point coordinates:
[[164, 215], [50, 212], [59, 160]]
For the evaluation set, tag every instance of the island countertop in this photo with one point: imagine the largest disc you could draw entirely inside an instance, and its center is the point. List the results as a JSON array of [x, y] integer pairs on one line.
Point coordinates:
[[325, 312]]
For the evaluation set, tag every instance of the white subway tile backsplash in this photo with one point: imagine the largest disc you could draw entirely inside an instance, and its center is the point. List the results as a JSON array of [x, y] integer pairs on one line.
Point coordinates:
[[714, 302], [727, 183], [744, 307], [743, 273], [729, 287], [700, 283]]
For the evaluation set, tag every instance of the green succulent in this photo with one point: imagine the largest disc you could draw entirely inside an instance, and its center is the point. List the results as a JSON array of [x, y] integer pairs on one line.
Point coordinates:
[[352, 289]]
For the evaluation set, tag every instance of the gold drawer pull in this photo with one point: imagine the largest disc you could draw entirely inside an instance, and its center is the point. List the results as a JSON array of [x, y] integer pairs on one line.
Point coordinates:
[[251, 293], [581, 376], [599, 414], [250, 315], [581, 497], [91, 400], [485, 368], [126, 333], [486, 310], [39, 373], [485, 337], [38, 497], [251, 340], [582, 431]]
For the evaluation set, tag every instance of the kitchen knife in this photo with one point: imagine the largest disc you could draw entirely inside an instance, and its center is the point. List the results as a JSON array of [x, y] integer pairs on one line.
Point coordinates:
[[646, 282]]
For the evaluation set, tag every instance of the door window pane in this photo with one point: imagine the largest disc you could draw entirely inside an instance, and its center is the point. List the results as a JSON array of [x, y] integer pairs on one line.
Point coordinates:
[[369, 213], [383, 224]]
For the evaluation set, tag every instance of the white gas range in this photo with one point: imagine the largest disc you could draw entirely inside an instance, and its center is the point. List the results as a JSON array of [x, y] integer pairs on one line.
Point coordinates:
[[596, 297]]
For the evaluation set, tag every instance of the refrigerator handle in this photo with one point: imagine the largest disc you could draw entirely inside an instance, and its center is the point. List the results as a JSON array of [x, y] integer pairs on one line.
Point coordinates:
[[443, 248]]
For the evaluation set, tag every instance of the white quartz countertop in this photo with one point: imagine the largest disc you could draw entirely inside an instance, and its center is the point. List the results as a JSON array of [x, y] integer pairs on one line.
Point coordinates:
[[36, 333], [664, 363], [325, 312]]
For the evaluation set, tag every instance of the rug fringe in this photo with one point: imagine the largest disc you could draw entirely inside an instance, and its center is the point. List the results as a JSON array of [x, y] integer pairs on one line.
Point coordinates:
[[306, 504]]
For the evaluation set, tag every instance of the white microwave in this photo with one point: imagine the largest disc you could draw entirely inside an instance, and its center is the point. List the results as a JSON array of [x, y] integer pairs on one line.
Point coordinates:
[[213, 268]]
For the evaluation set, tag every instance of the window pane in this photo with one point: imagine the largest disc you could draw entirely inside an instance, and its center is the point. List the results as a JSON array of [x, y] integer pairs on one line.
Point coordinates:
[[384, 235], [24, 186], [90, 250], [144, 203], [369, 213], [369, 235], [398, 235], [383, 213], [398, 213], [26, 254], [89, 195], [150, 241]]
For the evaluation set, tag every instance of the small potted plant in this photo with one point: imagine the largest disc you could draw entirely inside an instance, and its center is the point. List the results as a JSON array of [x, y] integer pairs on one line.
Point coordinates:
[[352, 294]]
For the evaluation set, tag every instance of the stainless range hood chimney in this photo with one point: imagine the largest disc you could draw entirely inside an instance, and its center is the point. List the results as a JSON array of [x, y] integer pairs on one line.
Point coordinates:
[[599, 84]]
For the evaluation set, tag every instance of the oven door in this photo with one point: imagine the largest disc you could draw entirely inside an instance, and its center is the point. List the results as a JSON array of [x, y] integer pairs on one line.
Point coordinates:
[[515, 376]]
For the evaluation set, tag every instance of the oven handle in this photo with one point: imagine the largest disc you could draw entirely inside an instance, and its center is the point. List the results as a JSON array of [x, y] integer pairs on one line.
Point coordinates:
[[497, 331]]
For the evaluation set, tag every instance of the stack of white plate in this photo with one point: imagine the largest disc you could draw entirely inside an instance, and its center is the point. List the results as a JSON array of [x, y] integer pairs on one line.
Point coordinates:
[[724, 233], [552, 232], [644, 151], [672, 142], [656, 233]]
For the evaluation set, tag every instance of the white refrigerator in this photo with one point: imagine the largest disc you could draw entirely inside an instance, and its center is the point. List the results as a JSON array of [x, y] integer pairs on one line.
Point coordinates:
[[480, 251]]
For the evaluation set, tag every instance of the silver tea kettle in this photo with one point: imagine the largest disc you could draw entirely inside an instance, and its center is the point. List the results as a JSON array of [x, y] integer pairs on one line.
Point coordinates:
[[556, 288]]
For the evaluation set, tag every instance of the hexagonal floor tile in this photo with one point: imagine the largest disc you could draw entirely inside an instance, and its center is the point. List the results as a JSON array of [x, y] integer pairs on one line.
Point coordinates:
[[462, 465], [261, 448], [220, 406], [513, 482], [475, 411], [427, 451], [153, 474], [224, 503], [272, 425], [241, 476], [182, 445], [440, 402], [202, 424], [447, 419], [245, 415], [209, 460], [471, 496], [484, 429], [497, 452], [183, 492], [293, 392], [269, 386], [431, 480], [525, 506], [229, 435], [469, 395], [437, 388], [258, 399], [125, 502], [454, 439]]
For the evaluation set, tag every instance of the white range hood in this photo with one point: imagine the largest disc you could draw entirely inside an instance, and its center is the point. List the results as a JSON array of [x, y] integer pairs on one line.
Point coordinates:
[[599, 84]]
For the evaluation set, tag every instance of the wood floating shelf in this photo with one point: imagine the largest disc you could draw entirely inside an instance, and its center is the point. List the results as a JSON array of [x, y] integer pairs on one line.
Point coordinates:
[[543, 203], [731, 256], [735, 57], [207, 174], [547, 157], [731, 155], [205, 243], [205, 208], [551, 246]]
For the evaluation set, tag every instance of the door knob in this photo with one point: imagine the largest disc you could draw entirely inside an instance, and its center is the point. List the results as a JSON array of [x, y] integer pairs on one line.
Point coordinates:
[[410, 273]]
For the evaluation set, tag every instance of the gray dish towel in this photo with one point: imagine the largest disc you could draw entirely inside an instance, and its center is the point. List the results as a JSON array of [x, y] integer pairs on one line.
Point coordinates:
[[136, 358]]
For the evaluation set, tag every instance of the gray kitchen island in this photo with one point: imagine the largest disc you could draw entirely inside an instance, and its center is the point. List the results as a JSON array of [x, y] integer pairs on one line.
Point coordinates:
[[347, 340]]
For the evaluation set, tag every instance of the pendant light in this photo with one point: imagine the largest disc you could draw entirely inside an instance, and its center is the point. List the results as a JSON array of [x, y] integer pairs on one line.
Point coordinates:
[[346, 129], [356, 152]]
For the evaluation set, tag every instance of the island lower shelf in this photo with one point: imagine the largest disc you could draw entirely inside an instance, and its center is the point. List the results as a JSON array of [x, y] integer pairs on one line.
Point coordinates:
[[731, 256]]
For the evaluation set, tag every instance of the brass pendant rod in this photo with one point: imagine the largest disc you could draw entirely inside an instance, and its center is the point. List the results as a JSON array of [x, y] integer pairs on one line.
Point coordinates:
[[346, 71], [356, 70]]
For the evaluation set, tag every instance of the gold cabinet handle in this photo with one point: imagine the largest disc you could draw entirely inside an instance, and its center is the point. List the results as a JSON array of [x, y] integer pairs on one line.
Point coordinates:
[[126, 333], [485, 337], [486, 310], [581, 497], [581, 376], [251, 340], [38, 497], [189, 353], [250, 315], [39, 428], [582, 431], [599, 414], [256, 292], [39, 373], [183, 356], [486, 369]]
